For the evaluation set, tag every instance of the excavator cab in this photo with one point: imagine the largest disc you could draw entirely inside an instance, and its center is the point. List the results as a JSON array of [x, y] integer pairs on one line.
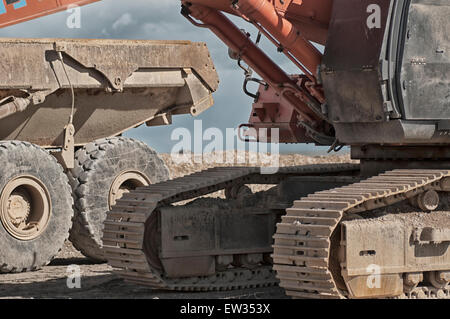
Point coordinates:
[[393, 87]]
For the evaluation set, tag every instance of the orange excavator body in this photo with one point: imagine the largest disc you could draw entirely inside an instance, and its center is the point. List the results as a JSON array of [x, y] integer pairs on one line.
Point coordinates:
[[17, 11], [348, 84]]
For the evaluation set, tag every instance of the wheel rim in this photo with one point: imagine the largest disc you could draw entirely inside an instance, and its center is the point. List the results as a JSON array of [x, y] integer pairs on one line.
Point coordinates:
[[25, 207], [124, 183]]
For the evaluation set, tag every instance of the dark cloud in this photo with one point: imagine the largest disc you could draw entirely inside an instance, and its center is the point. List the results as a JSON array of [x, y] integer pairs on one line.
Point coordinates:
[[158, 20]]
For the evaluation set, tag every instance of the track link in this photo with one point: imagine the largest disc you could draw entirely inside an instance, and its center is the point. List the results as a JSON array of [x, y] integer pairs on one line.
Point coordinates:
[[124, 232], [303, 241]]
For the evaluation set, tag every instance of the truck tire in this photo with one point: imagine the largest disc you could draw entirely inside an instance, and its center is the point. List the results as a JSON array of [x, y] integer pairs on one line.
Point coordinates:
[[104, 170], [36, 207]]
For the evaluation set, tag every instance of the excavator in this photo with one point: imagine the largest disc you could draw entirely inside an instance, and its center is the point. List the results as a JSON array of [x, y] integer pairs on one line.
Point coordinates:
[[373, 76]]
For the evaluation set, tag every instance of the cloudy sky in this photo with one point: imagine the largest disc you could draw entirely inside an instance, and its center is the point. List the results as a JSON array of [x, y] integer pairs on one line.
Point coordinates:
[[161, 20]]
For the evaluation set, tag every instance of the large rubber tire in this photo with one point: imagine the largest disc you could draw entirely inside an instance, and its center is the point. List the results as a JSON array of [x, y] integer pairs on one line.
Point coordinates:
[[24, 159], [96, 167]]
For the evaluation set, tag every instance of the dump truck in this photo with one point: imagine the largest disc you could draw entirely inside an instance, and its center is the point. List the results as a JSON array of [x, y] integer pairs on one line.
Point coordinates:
[[64, 105], [378, 229]]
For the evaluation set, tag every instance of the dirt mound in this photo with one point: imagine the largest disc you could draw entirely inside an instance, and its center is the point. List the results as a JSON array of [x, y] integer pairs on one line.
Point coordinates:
[[185, 164]]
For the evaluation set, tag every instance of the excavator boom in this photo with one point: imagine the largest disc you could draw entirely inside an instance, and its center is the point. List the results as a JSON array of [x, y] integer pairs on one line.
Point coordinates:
[[17, 11]]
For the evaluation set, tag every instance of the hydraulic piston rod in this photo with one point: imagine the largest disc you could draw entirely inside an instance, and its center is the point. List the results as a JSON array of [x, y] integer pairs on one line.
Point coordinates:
[[291, 39]]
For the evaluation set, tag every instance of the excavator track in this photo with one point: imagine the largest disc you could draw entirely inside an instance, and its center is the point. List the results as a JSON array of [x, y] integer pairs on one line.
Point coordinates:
[[125, 238], [304, 249]]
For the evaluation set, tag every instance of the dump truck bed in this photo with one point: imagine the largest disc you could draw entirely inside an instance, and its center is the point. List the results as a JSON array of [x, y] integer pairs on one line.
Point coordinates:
[[118, 85]]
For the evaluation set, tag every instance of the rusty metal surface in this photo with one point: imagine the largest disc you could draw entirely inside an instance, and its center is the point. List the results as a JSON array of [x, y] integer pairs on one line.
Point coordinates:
[[388, 85], [119, 84], [350, 69]]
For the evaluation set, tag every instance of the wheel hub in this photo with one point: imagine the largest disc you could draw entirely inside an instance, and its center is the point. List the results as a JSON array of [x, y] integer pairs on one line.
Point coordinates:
[[25, 207], [124, 183]]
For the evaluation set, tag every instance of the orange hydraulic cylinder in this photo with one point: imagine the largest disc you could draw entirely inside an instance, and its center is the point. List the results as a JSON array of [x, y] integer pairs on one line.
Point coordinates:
[[18, 11], [238, 41], [264, 13]]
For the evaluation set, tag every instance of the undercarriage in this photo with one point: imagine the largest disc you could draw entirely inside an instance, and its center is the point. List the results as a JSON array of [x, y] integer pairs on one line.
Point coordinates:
[[320, 231]]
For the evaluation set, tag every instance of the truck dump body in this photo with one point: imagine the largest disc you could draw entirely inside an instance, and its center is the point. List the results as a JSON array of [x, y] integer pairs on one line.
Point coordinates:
[[117, 84]]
